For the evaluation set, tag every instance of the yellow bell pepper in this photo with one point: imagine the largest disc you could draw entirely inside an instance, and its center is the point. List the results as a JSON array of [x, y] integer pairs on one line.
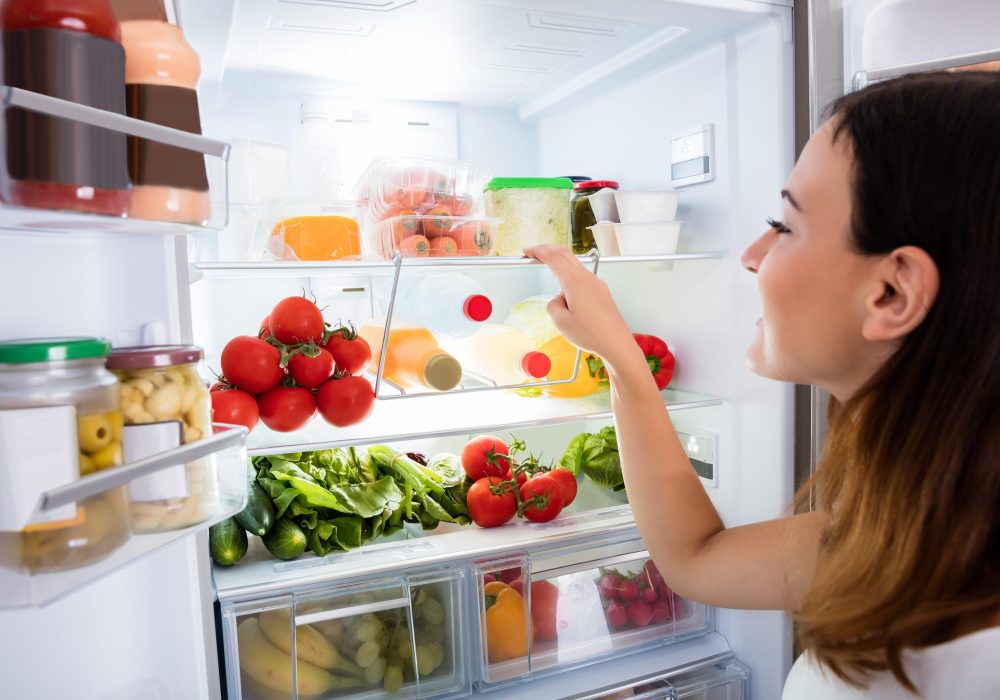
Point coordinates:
[[507, 624], [562, 353]]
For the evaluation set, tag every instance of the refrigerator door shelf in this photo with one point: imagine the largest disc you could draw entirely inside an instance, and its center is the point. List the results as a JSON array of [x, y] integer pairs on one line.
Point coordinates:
[[224, 454], [209, 209], [396, 635]]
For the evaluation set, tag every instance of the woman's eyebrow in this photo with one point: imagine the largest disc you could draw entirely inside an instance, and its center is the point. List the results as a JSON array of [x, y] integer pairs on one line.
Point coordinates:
[[791, 200]]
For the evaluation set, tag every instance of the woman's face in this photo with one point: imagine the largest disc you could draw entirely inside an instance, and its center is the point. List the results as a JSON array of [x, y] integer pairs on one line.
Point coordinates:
[[811, 282]]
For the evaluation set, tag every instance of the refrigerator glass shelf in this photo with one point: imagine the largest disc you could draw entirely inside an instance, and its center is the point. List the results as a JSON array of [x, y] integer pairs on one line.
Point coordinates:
[[22, 219], [443, 415], [224, 453]]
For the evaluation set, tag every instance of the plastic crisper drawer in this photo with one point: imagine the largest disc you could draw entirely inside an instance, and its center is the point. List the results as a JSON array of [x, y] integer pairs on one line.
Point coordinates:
[[726, 680], [397, 637], [583, 606]]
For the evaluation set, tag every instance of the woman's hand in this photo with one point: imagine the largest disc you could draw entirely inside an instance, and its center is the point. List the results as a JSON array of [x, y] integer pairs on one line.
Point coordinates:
[[585, 312]]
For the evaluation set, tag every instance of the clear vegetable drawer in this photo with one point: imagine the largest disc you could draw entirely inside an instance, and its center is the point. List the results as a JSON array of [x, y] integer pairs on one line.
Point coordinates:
[[581, 606], [724, 680], [396, 637]]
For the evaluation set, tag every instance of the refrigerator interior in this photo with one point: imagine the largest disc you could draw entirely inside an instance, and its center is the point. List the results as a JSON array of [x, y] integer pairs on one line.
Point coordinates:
[[525, 88]]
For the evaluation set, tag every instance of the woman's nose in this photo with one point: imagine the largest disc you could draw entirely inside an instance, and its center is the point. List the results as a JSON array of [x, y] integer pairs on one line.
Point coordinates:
[[755, 252]]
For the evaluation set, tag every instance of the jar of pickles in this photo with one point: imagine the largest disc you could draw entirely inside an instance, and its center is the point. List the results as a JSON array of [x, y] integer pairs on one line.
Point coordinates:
[[166, 404], [52, 373], [584, 215]]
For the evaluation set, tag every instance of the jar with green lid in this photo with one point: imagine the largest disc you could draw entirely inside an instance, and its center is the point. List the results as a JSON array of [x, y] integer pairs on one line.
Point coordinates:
[[67, 372], [166, 404], [532, 210], [583, 213]]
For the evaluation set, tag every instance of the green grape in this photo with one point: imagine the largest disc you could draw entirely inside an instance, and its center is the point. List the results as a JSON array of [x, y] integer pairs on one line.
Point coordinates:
[[437, 653], [367, 654], [375, 672], [405, 648], [425, 660], [435, 634], [367, 630], [433, 612], [401, 635], [392, 681]]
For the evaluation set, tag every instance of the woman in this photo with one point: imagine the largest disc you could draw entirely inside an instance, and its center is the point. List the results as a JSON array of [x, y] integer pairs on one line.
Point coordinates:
[[881, 285]]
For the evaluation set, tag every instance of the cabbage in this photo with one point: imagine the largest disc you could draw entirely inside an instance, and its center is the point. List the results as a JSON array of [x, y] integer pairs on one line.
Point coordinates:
[[531, 317], [596, 455]]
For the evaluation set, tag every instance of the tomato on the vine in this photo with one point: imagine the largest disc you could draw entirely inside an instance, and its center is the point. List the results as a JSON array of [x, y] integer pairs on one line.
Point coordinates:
[[265, 328], [345, 401], [567, 484], [251, 364], [311, 371], [286, 408], [296, 320], [234, 407], [351, 352], [509, 476], [547, 498], [488, 509], [485, 455]]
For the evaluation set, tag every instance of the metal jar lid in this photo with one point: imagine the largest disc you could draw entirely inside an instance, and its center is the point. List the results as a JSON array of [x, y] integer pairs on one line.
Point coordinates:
[[153, 356]]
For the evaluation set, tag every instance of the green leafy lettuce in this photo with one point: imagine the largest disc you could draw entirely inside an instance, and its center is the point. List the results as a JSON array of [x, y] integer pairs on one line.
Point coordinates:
[[596, 455]]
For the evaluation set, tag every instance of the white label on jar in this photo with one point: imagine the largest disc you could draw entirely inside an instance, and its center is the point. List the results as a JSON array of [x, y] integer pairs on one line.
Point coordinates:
[[146, 440], [38, 452]]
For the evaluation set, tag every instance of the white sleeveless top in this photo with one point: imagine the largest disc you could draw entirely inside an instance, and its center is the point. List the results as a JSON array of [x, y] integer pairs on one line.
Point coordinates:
[[965, 667]]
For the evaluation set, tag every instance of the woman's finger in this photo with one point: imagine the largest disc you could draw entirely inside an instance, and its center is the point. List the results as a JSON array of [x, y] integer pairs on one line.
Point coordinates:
[[561, 261]]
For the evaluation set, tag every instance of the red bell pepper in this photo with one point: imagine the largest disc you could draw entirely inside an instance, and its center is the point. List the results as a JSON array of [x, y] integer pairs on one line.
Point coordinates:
[[658, 357]]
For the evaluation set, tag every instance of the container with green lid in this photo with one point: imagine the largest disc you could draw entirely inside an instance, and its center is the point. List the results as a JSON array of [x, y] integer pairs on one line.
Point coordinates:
[[47, 373], [531, 210]]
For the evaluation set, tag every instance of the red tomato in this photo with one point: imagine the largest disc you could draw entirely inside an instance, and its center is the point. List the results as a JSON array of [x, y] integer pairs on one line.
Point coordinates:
[[311, 372], [415, 247], [438, 221], [286, 408], [351, 352], [546, 488], [544, 606], [485, 455], [443, 247], [567, 484], [509, 476], [296, 320], [489, 509], [251, 364], [345, 401], [234, 407], [265, 328]]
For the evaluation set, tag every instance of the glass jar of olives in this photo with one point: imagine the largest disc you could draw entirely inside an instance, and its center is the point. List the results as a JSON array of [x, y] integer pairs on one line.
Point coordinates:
[[166, 404], [53, 372]]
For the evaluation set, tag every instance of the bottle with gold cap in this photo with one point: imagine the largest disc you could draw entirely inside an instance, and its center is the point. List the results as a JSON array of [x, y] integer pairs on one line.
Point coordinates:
[[413, 357]]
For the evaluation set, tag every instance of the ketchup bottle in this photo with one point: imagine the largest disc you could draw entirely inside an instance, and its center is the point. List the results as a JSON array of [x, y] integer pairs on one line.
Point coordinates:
[[70, 49]]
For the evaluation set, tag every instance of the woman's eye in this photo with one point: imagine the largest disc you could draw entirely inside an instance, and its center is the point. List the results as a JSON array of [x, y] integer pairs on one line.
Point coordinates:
[[778, 226]]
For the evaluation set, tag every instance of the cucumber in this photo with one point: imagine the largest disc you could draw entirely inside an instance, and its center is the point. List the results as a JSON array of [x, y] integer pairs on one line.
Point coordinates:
[[227, 541], [258, 517], [285, 540]]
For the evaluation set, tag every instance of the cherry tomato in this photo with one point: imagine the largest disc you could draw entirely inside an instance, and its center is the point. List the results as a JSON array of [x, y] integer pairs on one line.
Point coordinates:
[[437, 222], [415, 247], [488, 509], [546, 488], [351, 352], [296, 320], [251, 364], [345, 401], [485, 455], [443, 247], [311, 372], [567, 484], [286, 408], [234, 407]]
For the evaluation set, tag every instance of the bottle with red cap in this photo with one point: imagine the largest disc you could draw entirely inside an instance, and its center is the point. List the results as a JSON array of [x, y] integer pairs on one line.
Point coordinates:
[[502, 354], [70, 49], [450, 305], [583, 214]]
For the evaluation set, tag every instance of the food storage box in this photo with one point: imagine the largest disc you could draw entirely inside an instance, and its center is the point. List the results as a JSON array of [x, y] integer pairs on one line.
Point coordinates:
[[531, 211], [574, 611], [431, 236], [397, 637], [404, 186], [315, 237], [166, 404], [59, 420]]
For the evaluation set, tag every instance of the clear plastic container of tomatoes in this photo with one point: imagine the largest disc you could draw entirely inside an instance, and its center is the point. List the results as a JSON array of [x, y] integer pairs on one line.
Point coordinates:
[[431, 236]]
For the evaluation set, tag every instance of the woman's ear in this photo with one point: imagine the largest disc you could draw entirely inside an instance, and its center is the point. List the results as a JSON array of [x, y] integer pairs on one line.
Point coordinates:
[[907, 285]]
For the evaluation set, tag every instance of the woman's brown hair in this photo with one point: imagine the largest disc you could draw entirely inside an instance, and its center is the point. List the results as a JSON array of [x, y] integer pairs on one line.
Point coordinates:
[[911, 472]]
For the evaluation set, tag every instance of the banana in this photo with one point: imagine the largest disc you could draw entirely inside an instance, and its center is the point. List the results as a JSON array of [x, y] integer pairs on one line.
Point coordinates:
[[310, 645], [269, 666]]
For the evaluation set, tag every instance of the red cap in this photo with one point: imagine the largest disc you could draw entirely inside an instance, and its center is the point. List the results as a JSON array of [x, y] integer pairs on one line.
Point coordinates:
[[595, 185], [478, 308], [536, 364]]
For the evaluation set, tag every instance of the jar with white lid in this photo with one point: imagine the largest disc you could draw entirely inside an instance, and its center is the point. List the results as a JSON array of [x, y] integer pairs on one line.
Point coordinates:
[[59, 415], [166, 404]]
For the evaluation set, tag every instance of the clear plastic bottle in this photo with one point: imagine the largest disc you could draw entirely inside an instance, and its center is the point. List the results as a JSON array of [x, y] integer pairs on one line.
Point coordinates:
[[501, 353], [413, 357], [314, 159], [451, 305]]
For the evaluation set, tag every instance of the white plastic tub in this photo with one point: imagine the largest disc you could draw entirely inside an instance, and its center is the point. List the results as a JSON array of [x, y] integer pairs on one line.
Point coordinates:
[[658, 238], [642, 207]]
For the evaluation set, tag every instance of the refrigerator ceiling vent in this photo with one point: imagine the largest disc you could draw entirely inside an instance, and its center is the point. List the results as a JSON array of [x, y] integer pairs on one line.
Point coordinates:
[[518, 69], [368, 5], [551, 49], [275, 23], [576, 24]]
